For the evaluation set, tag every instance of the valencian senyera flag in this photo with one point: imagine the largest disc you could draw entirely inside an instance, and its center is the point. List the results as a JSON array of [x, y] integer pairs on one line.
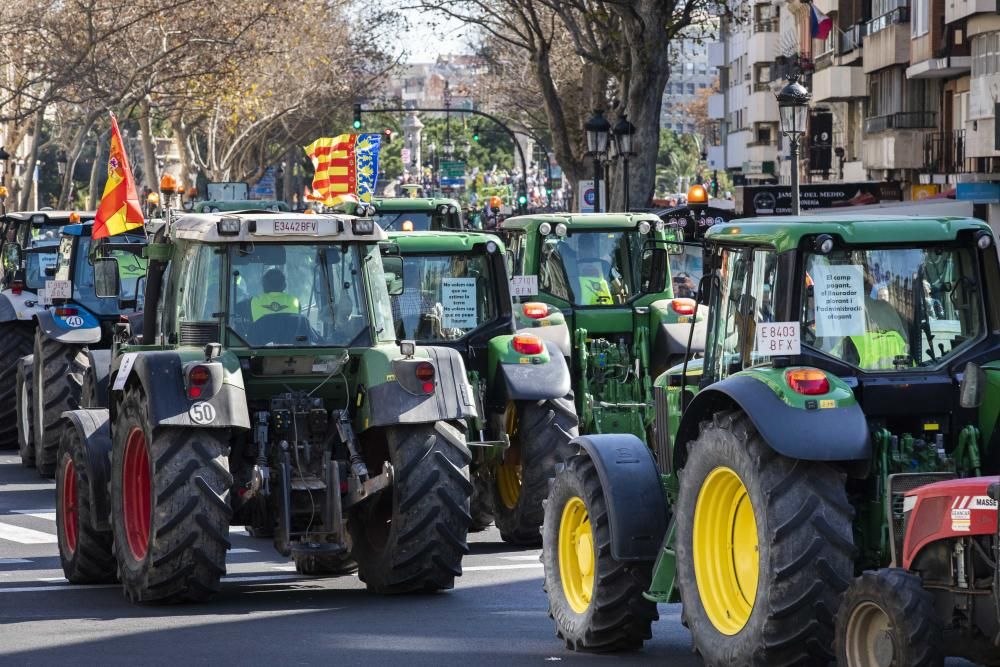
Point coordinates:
[[119, 210], [346, 164]]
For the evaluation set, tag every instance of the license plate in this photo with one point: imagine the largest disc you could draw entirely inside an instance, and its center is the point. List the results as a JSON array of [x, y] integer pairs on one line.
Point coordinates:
[[310, 227]]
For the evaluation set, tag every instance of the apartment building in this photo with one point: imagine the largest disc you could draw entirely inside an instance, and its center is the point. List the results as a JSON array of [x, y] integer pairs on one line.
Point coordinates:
[[689, 75]]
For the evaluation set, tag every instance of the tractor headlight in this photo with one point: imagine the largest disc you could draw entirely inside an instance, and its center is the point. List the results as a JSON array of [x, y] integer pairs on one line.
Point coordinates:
[[491, 247], [228, 226], [823, 244], [561, 229], [644, 227], [983, 239], [544, 229], [364, 226]]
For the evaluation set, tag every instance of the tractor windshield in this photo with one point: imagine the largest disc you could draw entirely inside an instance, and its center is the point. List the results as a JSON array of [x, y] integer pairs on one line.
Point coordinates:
[[131, 267], [892, 308], [592, 268], [297, 295], [441, 297]]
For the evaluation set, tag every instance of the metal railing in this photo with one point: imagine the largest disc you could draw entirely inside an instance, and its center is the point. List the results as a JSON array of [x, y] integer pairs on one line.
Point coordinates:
[[853, 38], [944, 152], [904, 120], [766, 25], [895, 17]]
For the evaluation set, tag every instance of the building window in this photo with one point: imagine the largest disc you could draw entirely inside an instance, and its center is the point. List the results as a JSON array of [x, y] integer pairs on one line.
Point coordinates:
[[920, 17], [690, 89], [986, 54]]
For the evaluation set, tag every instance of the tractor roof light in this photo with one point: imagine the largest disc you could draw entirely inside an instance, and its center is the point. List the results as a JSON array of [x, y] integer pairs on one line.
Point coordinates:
[[983, 239], [544, 229], [561, 229], [823, 244], [807, 381], [407, 225], [697, 195], [74, 217], [683, 306], [527, 344], [228, 226], [491, 247], [644, 227]]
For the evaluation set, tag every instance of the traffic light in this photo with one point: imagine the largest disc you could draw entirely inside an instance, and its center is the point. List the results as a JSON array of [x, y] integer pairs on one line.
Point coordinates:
[[522, 199], [387, 133], [475, 134], [357, 116]]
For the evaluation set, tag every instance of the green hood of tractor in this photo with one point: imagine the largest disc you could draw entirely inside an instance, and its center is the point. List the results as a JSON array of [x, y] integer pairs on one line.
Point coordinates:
[[398, 204], [456, 243], [785, 232], [530, 223]]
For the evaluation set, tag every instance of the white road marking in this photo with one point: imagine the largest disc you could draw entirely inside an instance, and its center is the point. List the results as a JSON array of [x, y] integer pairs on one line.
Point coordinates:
[[233, 530], [21, 535], [38, 514], [492, 568], [523, 557], [234, 579], [242, 550], [40, 486], [13, 561]]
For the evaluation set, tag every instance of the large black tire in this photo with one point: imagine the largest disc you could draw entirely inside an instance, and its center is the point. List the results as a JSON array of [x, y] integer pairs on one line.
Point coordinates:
[[412, 538], [539, 442], [611, 615], [888, 619], [57, 382], [94, 393], [15, 342], [801, 526], [25, 442], [180, 553], [86, 553], [481, 503], [325, 565]]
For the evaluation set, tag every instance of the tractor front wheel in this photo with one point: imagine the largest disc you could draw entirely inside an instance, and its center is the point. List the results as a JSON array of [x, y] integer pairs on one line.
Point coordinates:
[[596, 601], [169, 506], [57, 382], [15, 342], [25, 443], [888, 618], [412, 536], [764, 549], [540, 434]]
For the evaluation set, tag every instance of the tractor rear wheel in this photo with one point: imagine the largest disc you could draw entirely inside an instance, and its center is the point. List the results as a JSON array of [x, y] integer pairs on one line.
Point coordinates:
[[57, 382], [86, 553], [169, 506], [15, 342], [764, 549], [540, 433], [25, 443], [888, 618], [596, 601], [412, 536]]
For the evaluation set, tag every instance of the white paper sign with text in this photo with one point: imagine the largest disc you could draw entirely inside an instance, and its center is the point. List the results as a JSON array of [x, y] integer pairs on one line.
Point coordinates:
[[838, 292], [458, 298], [58, 289]]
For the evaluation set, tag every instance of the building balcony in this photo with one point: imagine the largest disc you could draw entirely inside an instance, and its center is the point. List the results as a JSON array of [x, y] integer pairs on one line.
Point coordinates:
[[717, 54], [762, 46], [940, 68], [717, 106], [944, 152], [956, 10], [836, 84], [716, 157], [762, 107], [888, 40], [903, 120]]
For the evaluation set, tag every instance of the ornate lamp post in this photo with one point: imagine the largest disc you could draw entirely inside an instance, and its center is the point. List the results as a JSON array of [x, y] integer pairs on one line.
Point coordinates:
[[793, 107], [623, 142], [598, 129]]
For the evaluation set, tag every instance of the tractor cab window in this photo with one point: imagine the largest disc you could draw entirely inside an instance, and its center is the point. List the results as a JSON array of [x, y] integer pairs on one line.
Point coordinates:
[[35, 265], [394, 221], [592, 268], [130, 268], [443, 297], [297, 295], [892, 308]]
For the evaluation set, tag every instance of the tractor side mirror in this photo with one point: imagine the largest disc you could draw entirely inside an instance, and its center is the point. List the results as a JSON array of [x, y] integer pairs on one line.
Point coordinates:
[[654, 270], [107, 283], [393, 269], [972, 387]]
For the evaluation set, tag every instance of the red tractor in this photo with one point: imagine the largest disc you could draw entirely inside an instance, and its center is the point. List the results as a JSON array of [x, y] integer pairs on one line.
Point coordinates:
[[942, 595]]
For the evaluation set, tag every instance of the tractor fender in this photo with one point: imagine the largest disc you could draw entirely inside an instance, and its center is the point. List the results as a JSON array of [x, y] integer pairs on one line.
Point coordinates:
[[397, 399], [534, 382], [100, 365], [829, 434], [557, 334], [23, 306], [94, 429], [161, 373], [637, 505], [672, 339], [80, 329]]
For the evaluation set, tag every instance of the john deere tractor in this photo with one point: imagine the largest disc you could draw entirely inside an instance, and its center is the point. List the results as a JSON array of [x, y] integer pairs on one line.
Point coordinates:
[[837, 355], [418, 214], [269, 392], [72, 338], [583, 287], [452, 290]]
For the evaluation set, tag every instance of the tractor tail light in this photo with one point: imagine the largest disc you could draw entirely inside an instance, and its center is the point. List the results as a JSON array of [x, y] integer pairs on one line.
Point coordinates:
[[528, 344], [425, 373], [683, 306], [17, 287], [808, 381], [66, 312], [535, 310], [198, 377]]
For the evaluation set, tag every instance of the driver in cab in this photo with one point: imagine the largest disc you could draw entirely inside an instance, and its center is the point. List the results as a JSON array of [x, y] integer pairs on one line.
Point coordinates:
[[274, 300], [591, 267]]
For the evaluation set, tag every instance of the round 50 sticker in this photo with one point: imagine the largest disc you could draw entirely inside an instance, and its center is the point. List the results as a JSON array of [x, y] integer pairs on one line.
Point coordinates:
[[202, 413], [74, 321]]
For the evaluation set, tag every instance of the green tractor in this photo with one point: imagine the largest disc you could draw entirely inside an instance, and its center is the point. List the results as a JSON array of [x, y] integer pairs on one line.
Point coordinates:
[[270, 392], [847, 362], [584, 276], [452, 290], [418, 214]]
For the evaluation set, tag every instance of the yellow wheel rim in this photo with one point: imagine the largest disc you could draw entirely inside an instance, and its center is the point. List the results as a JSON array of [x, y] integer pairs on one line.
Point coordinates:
[[725, 550], [576, 555], [509, 471]]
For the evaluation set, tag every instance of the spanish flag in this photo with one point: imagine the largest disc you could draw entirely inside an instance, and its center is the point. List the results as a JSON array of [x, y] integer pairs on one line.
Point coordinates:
[[119, 210], [345, 164]]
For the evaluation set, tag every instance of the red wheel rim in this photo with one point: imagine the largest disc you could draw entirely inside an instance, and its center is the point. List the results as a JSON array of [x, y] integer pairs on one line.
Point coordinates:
[[136, 492], [69, 509]]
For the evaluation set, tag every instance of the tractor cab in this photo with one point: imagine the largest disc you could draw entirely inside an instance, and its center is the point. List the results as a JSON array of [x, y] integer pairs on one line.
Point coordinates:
[[412, 214], [605, 274], [33, 230]]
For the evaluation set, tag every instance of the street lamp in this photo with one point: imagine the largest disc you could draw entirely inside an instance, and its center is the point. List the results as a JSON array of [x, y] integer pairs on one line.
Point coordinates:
[[61, 163], [623, 142], [597, 128], [793, 109]]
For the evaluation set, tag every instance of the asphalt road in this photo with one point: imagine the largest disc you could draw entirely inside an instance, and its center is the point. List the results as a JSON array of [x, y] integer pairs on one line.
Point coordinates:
[[266, 613]]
